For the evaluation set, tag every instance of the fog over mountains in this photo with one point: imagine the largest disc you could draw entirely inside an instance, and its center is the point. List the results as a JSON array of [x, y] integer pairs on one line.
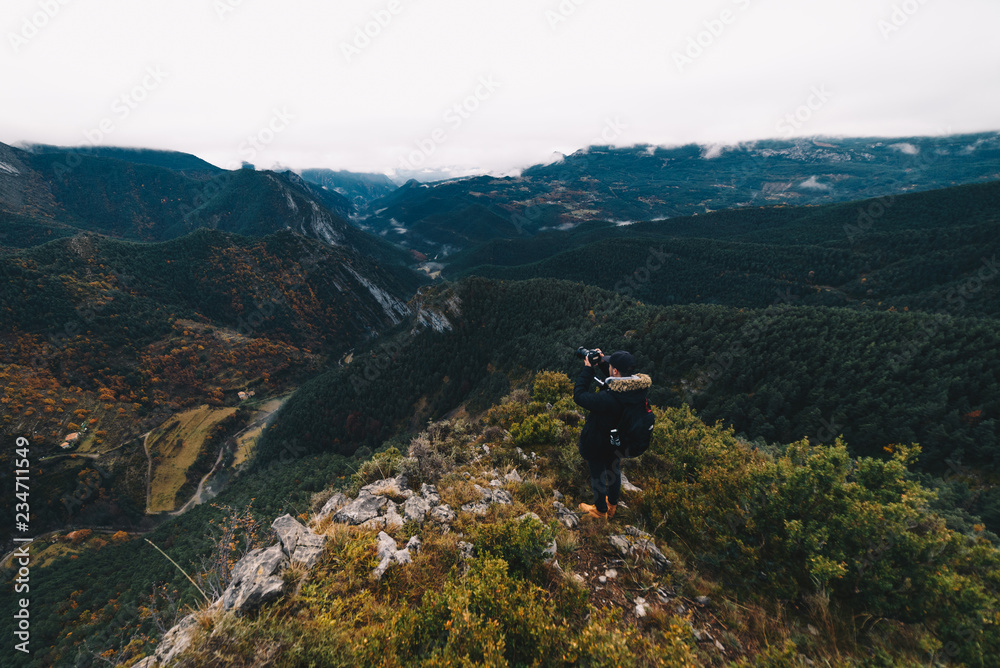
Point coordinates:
[[193, 352]]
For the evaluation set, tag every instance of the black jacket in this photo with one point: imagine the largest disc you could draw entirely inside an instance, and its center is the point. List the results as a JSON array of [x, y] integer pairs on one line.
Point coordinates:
[[605, 408]]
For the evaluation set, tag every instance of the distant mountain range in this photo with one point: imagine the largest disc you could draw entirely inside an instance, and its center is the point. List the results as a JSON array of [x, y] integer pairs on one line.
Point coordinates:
[[646, 183], [183, 162], [359, 189], [261, 334], [156, 196]]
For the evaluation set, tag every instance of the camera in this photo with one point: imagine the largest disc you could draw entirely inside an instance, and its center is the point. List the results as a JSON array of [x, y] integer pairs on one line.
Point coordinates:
[[592, 355]]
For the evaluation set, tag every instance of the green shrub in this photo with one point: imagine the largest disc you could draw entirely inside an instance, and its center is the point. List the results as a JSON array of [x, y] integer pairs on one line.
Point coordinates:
[[811, 520], [550, 387], [505, 415], [486, 617], [537, 430], [385, 464], [519, 543]]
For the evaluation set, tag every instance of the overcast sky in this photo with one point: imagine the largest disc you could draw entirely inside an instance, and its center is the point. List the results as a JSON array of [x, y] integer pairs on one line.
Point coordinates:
[[474, 85]]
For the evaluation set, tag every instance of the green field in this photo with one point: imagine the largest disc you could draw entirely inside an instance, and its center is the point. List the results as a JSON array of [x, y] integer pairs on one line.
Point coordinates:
[[174, 447]]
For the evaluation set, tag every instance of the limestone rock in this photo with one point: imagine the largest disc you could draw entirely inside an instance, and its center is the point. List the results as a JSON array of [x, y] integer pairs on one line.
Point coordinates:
[[332, 505], [389, 487], [465, 550], [255, 580], [386, 546], [443, 514], [478, 508], [430, 495], [513, 477], [416, 508], [640, 543], [549, 553], [640, 607], [627, 486], [568, 518], [361, 509], [531, 516], [487, 498], [387, 554], [414, 545], [393, 520], [502, 497], [300, 544], [174, 642]]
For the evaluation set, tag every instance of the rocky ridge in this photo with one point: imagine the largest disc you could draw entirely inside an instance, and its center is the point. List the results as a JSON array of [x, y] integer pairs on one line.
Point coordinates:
[[386, 505]]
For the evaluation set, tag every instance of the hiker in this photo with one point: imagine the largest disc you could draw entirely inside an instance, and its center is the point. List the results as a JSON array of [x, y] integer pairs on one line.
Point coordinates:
[[606, 408]]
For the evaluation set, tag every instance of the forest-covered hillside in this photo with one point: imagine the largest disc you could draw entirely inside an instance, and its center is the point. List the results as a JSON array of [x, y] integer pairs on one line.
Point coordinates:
[[112, 338], [156, 196], [777, 374], [927, 251], [768, 556]]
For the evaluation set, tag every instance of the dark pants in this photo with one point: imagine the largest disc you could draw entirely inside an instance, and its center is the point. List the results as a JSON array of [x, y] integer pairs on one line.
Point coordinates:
[[605, 480]]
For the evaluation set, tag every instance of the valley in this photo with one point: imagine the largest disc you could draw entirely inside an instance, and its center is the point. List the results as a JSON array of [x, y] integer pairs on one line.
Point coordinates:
[[224, 364]]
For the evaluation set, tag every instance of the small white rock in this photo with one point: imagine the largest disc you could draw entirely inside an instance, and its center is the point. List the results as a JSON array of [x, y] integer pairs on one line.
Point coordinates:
[[640, 607]]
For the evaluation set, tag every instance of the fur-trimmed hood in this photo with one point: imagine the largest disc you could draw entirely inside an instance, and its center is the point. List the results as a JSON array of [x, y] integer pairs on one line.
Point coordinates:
[[629, 383]]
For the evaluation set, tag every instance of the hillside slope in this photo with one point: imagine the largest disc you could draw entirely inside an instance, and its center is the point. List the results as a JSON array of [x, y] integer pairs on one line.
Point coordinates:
[[923, 251], [112, 338], [776, 374], [720, 555], [61, 192]]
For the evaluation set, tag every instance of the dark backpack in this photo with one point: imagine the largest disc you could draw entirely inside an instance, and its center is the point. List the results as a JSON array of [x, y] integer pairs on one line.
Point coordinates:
[[635, 429]]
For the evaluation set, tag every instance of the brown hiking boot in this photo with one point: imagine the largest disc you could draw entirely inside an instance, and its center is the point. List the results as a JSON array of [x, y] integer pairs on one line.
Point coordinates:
[[592, 511], [612, 507]]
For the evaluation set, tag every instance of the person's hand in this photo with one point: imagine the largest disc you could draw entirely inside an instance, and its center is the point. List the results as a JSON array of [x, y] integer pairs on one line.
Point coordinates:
[[586, 360]]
